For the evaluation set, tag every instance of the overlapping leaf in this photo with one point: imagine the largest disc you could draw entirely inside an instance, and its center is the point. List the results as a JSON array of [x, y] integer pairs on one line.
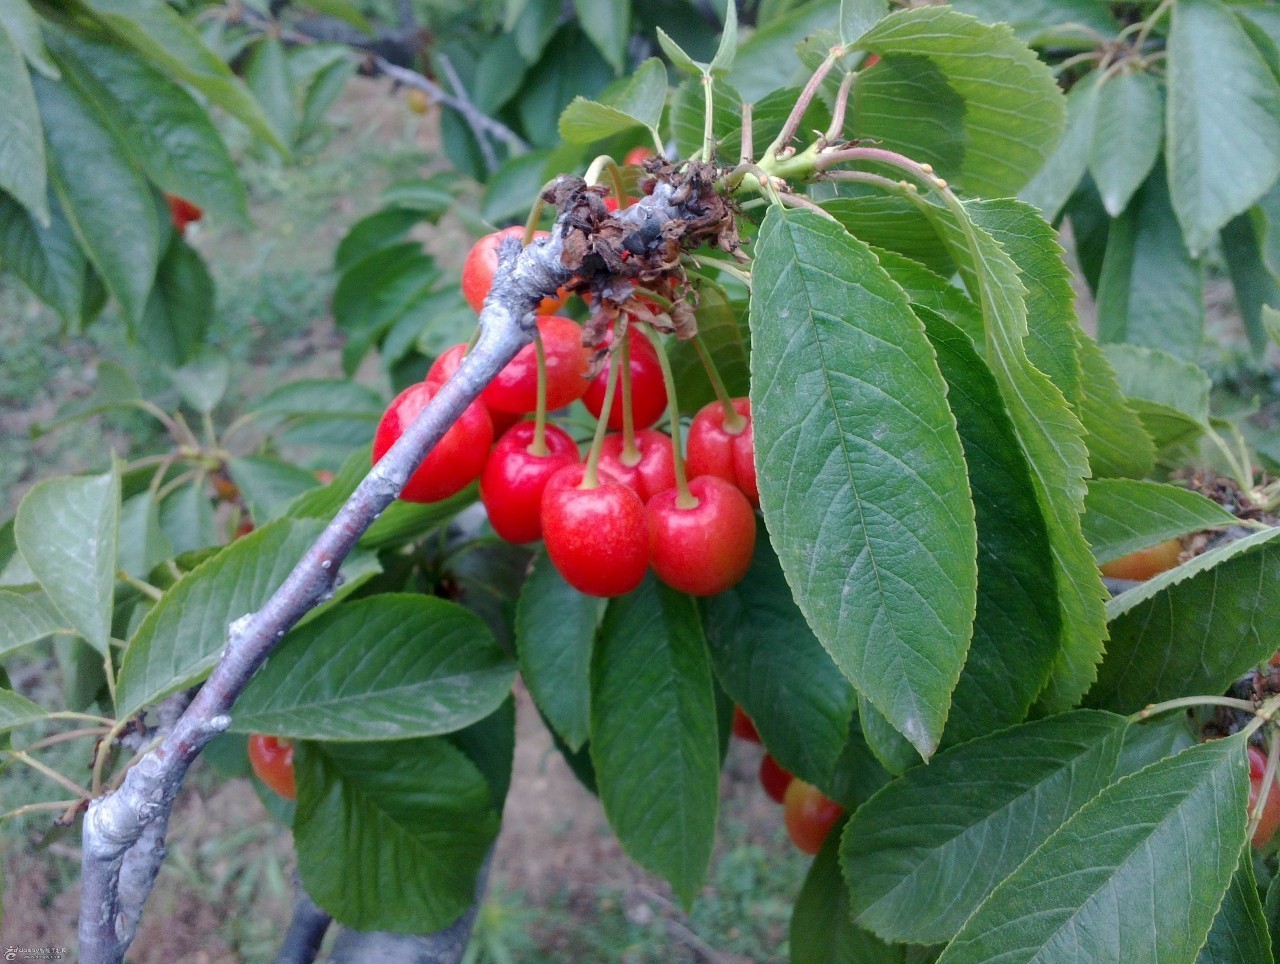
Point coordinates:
[[1124, 515]]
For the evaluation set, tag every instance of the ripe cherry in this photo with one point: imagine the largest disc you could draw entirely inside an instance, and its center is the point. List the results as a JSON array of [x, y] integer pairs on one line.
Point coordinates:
[[455, 462], [809, 815], [743, 728], [637, 155], [655, 469], [715, 449], [182, 212], [648, 392], [272, 761], [706, 548], [442, 370], [595, 537], [611, 203], [482, 262], [1270, 820], [1145, 563], [515, 389], [774, 779], [514, 478]]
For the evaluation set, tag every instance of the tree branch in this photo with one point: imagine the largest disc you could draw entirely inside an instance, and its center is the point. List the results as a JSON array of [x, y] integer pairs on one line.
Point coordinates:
[[135, 815], [307, 927]]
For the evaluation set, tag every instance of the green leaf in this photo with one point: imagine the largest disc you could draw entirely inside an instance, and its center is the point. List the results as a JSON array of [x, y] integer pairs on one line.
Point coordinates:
[[637, 100], [1151, 290], [1118, 443], [379, 290], [384, 668], [1123, 515], [1017, 628], [652, 711], [896, 224], [822, 928], [968, 97], [1051, 439], [321, 396], [268, 484], [1170, 395], [1042, 22], [768, 59], [1143, 867], [187, 518], [27, 618], [1272, 910], [1223, 125], [48, 260], [724, 339], [608, 24], [166, 130], [16, 711], [66, 530], [159, 33], [202, 382], [418, 813], [925, 851], [1192, 629], [1239, 932], [1254, 284], [555, 632], [534, 26], [346, 10], [1126, 140], [106, 198], [859, 16], [183, 635], [17, 17], [1153, 740], [675, 53], [268, 76], [22, 158], [1053, 185], [178, 313], [764, 653], [1271, 321], [861, 470], [375, 232], [570, 66], [143, 542]]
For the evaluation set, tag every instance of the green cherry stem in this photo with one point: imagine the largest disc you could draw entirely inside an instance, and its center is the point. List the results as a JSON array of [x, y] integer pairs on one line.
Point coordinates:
[[591, 477], [684, 498], [1190, 702], [538, 446], [535, 215], [630, 454], [733, 422]]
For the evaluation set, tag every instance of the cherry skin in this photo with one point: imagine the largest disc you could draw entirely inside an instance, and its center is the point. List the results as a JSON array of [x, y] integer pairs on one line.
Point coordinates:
[[596, 538], [458, 458], [654, 472], [774, 779], [182, 212], [648, 390], [743, 728], [705, 549], [1270, 820], [482, 262], [272, 761], [714, 450], [637, 155], [809, 815], [515, 390], [1145, 563], [442, 370], [514, 478]]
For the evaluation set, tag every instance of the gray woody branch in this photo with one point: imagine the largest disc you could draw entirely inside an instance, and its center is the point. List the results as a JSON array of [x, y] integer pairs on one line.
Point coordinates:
[[124, 830]]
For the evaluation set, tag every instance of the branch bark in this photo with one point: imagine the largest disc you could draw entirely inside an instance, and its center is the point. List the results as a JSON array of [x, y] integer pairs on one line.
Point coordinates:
[[307, 926], [123, 833]]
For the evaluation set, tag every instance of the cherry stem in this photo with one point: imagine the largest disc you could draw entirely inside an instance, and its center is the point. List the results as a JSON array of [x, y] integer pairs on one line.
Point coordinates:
[[733, 422], [748, 135], [803, 101], [591, 477], [607, 163], [1268, 784], [535, 215], [684, 498], [836, 128], [1190, 702], [538, 446], [622, 358], [708, 120]]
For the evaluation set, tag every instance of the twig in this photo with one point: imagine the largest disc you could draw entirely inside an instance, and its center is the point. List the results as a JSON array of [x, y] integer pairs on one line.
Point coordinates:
[[307, 927], [135, 815]]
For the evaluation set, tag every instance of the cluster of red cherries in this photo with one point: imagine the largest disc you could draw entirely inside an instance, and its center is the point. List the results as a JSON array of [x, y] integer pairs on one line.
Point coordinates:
[[808, 812], [636, 501]]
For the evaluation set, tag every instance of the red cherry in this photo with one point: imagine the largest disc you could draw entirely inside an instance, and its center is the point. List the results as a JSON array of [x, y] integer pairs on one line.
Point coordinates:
[[648, 391], [809, 815], [611, 203], [182, 212], [1270, 820], [458, 457], [705, 549], [272, 761], [714, 450], [482, 262], [443, 367], [516, 387], [743, 728], [654, 472], [513, 479], [774, 779], [595, 537], [637, 155]]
